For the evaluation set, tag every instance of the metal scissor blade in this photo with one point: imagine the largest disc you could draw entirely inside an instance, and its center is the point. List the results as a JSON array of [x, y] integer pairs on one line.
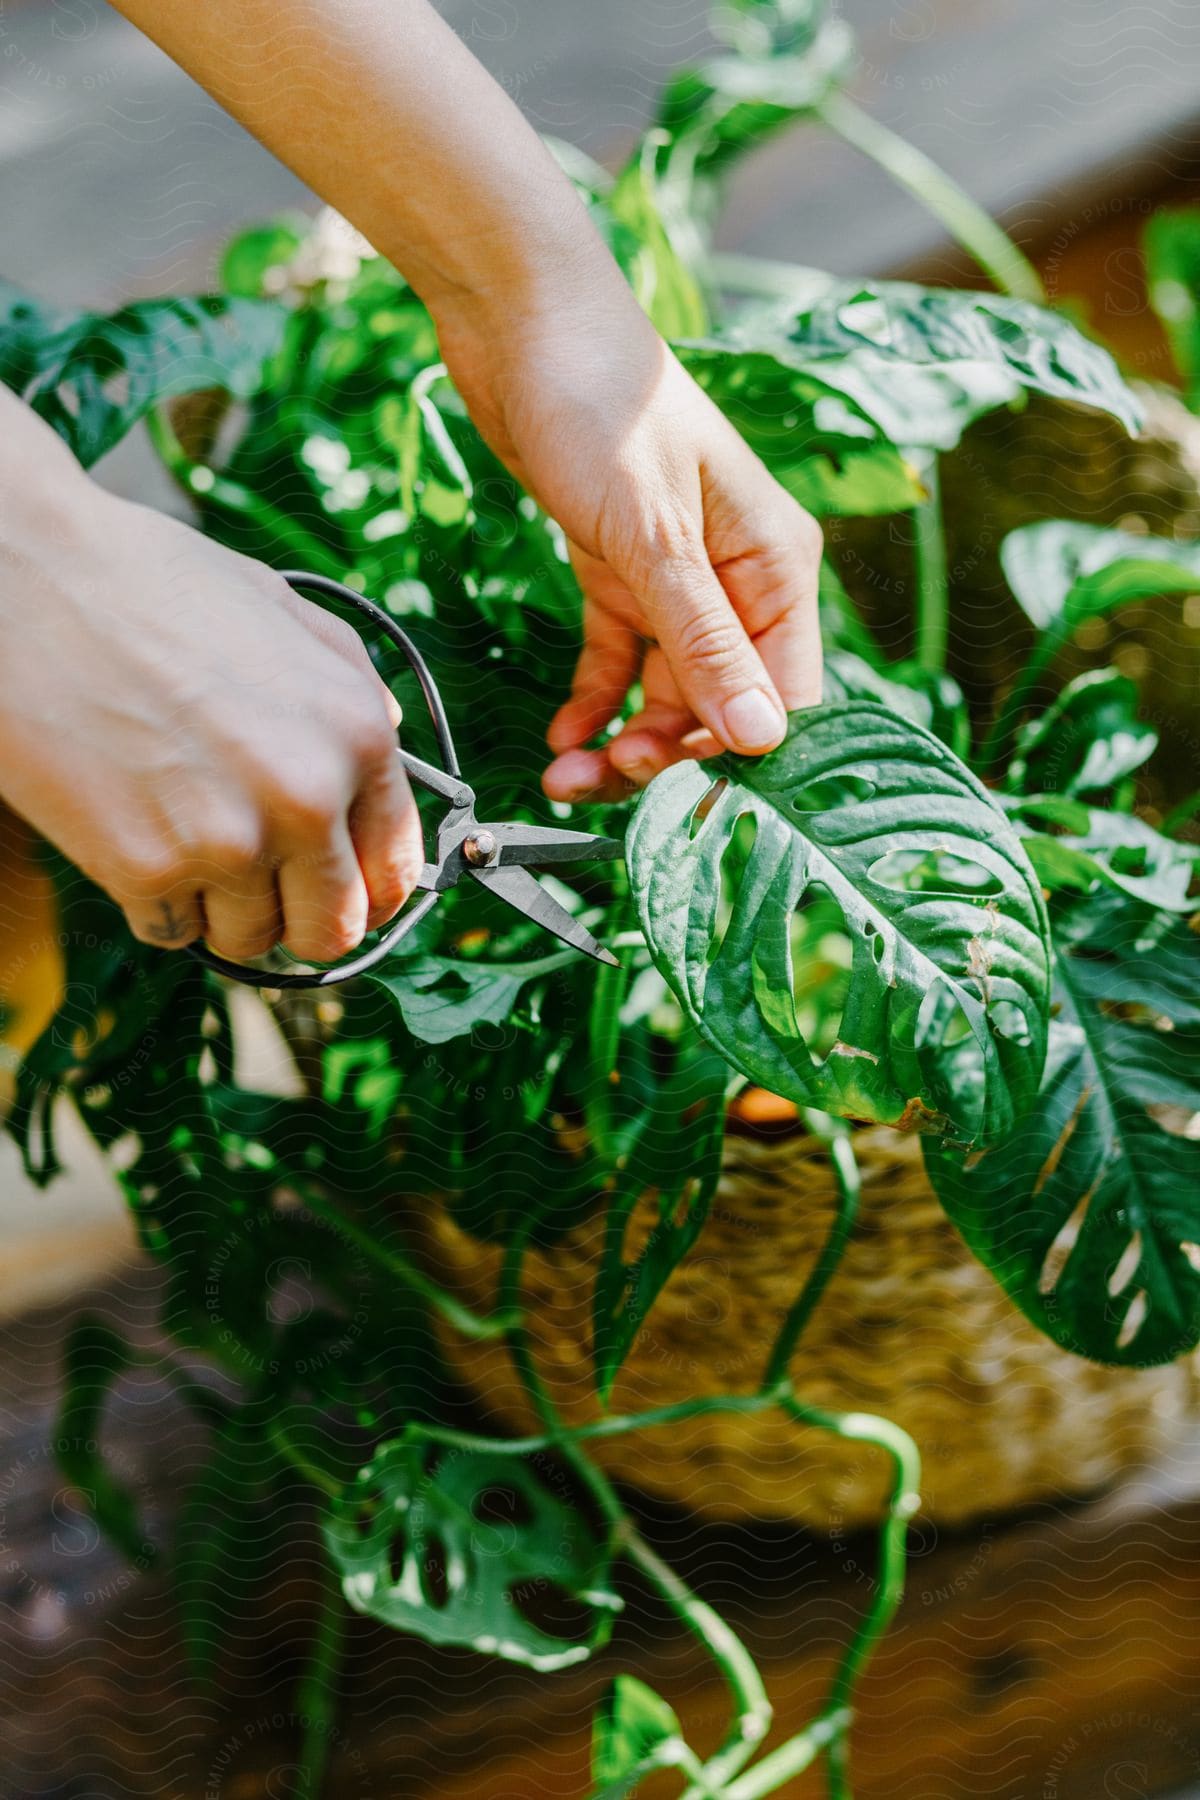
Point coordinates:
[[531, 846], [526, 893]]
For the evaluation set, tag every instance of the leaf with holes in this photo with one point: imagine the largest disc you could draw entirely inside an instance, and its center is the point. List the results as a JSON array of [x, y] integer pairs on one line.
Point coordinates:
[[444, 997], [1086, 742], [25, 324], [716, 112], [944, 1024], [1090, 1215], [1079, 848], [1062, 572], [933, 700], [824, 449], [923, 363], [98, 374], [465, 1547]]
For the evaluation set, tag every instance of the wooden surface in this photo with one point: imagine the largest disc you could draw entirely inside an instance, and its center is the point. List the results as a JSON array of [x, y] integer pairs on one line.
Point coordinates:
[[1056, 1656]]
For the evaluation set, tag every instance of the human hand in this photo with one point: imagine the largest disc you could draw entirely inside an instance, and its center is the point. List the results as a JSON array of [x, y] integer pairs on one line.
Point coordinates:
[[214, 751], [699, 571]]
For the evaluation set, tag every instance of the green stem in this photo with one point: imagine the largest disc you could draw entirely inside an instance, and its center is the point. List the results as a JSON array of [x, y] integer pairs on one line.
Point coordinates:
[[903, 1501], [966, 221], [752, 1709], [999, 739], [604, 1029], [791, 1759], [612, 1425], [933, 604], [312, 1472], [315, 1698], [205, 487], [757, 275], [470, 1324], [848, 1179]]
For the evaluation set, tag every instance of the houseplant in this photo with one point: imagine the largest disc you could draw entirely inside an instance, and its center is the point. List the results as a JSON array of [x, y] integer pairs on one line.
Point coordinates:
[[856, 923]]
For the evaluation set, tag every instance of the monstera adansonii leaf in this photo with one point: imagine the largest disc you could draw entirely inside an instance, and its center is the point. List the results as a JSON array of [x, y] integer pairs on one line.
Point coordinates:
[[1089, 1216], [923, 362], [476, 1549], [1064, 573], [944, 1024], [92, 376]]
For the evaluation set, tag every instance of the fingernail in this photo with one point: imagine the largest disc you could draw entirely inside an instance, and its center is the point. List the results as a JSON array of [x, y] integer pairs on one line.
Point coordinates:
[[753, 720], [638, 769]]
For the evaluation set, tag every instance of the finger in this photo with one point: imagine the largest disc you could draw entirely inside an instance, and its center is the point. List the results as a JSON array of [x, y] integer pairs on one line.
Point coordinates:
[[580, 775], [243, 917], [337, 635], [386, 831], [772, 577], [324, 900], [169, 921], [653, 738], [607, 668], [719, 672]]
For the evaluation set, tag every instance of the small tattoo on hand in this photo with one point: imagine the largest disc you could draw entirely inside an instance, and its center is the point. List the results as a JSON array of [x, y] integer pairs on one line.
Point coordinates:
[[169, 927]]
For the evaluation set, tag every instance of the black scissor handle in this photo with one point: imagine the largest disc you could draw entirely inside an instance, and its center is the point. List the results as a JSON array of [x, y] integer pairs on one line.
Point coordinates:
[[447, 782], [328, 589]]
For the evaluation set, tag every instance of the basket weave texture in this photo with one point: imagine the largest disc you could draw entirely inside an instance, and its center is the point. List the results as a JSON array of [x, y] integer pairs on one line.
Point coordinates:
[[911, 1326]]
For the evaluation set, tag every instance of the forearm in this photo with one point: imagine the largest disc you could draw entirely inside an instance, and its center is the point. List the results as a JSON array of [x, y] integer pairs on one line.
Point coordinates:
[[387, 115]]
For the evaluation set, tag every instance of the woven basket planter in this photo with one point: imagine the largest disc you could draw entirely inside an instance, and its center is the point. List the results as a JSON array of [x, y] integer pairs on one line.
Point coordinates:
[[911, 1327]]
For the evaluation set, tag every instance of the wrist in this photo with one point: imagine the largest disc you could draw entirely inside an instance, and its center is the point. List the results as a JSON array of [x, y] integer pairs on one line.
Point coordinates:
[[527, 278]]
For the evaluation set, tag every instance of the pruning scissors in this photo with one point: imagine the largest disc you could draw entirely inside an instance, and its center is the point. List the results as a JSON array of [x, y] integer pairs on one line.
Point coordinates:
[[498, 855]]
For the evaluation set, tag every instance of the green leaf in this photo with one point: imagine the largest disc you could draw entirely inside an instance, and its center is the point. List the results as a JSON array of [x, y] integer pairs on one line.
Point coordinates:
[[93, 1358], [1086, 742], [225, 1541], [842, 626], [444, 997], [931, 699], [1089, 1216], [1090, 846], [945, 1017], [476, 1549], [662, 281], [25, 324], [632, 1722], [255, 260], [1062, 572], [924, 362], [1172, 251], [820, 446], [717, 112], [675, 1156], [97, 375]]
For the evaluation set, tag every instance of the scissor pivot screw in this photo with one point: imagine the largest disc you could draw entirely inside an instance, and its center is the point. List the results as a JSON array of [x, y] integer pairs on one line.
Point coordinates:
[[480, 849]]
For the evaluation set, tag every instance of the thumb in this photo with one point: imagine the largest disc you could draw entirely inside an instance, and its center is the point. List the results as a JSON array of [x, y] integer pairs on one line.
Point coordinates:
[[709, 652]]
